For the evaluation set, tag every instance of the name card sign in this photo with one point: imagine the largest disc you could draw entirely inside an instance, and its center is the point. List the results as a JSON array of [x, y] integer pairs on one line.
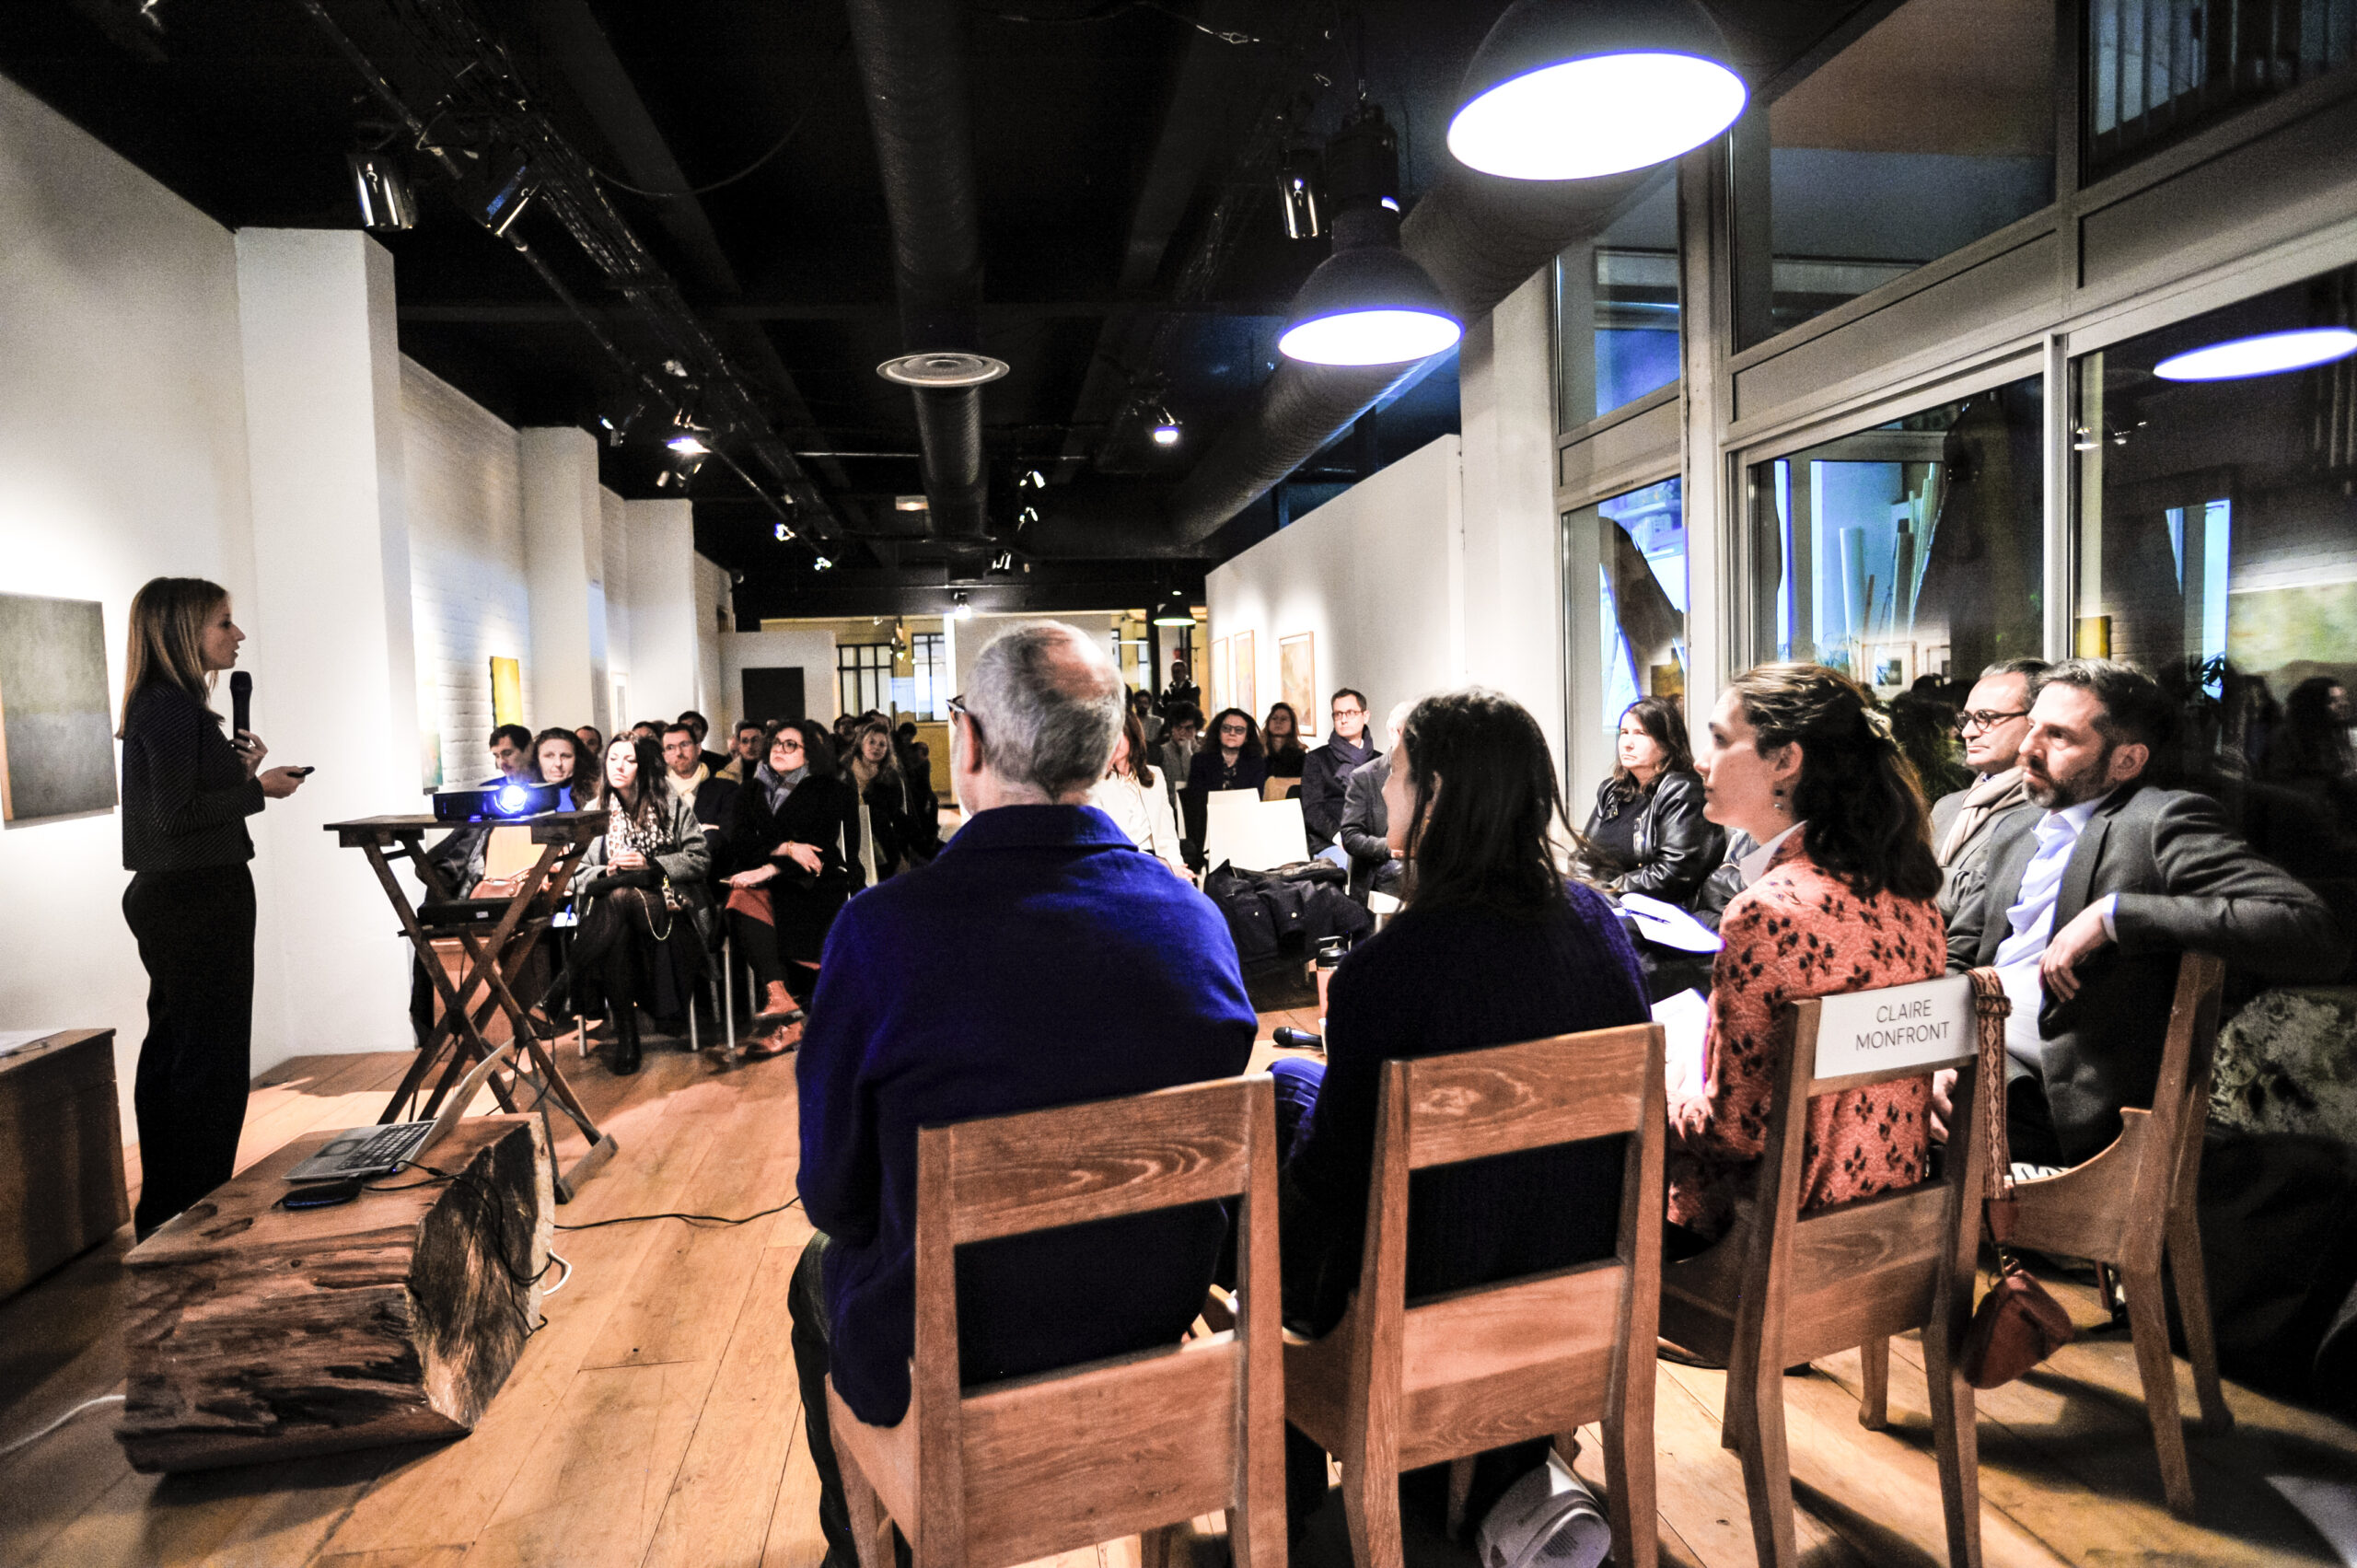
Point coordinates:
[[1903, 1025]]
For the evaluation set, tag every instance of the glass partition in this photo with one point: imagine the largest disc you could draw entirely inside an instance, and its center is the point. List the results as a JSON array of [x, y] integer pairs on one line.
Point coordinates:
[[2157, 71], [1934, 128], [1616, 309], [1625, 571], [1908, 555], [2217, 550]]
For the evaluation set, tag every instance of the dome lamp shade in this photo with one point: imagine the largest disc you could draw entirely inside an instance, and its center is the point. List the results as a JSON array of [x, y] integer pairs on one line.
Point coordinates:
[[2265, 354], [1368, 303], [1577, 90]]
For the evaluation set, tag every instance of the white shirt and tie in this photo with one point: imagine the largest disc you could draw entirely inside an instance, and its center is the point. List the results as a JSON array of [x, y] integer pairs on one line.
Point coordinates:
[[2031, 921]]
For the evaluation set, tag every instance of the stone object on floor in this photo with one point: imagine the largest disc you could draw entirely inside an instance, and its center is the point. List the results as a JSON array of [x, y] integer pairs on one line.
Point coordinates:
[[2287, 1063]]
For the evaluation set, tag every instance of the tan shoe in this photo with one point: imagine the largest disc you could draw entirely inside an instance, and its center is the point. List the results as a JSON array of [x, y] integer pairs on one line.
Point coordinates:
[[777, 1006]]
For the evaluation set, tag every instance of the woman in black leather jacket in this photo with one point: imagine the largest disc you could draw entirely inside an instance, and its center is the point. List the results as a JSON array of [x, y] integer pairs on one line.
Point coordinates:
[[1647, 834]]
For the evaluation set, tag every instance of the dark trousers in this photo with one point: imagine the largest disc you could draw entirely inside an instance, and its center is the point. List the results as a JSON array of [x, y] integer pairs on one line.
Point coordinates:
[[195, 931], [618, 942], [757, 942], [1426, 1489], [2029, 1121], [805, 1303]]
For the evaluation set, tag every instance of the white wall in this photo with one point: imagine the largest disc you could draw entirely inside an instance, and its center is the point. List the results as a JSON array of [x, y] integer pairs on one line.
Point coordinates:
[[968, 637], [813, 651], [122, 456], [714, 620], [467, 568], [614, 557], [1373, 574]]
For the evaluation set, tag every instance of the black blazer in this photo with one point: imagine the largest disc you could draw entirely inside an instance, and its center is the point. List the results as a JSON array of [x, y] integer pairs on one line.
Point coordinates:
[[821, 813], [2186, 882], [1678, 847]]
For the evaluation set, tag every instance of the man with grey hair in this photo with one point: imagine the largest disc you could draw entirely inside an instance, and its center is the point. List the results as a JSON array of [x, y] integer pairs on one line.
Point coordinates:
[[1994, 722], [1376, 866], [1042, 959]]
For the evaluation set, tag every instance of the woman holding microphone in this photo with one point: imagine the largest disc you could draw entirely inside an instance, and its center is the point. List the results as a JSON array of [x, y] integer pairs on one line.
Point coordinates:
[[186, 791]]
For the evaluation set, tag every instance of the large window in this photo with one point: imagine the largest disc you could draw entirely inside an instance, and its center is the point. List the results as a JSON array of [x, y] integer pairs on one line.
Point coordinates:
[[1910, 550], [929, 693], [2157, 70], [2217, 550], [1616, 309], [1625, 571], [1935, 127], [864, 677]]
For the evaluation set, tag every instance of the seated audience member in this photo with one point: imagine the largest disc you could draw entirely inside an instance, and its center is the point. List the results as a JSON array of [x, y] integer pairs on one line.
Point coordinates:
[[874, 773], [1647, 834], [1326, 772], [1925, 729], [1375, 863], [950, 993], [1280, 742], [1230, 760], [787, 832], [1141, 705], [2310, 749], [556, 759], [692, 780], [700, 727], [647, 729], [1175, 759], [1135, 798], [460, 857], [1494, 947], [593, 748], [1841, 895], [646, 911], [1995, 718], [2089, 899], [744, 751]]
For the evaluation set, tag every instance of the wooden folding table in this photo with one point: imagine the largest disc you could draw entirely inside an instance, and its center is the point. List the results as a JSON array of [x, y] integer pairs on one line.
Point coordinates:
[[456, 1042]]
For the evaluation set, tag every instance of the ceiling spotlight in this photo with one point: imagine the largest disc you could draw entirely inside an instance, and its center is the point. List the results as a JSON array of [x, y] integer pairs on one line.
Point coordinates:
[[1567, 89], [1171, 609], [1166, 430], [1028, 514], [689, 443], [501, 192], [1035, 479], [1368, 303], [910, 504], [961, 610], [2268, 353], [783, 533], [1002, 561], [1297, 191], [387, 203], [942, 371], [822, 564]]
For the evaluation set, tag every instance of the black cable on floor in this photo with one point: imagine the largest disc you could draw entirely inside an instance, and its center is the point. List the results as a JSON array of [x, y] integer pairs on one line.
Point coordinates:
[[691, 1219]]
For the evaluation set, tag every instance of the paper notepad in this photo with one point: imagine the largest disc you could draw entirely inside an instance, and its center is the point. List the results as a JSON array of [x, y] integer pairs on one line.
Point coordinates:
[[1667, 926]]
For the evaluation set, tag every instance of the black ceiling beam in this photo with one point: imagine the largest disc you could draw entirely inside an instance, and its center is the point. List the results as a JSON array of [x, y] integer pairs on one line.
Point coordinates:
[[514, 313], [579, 45]]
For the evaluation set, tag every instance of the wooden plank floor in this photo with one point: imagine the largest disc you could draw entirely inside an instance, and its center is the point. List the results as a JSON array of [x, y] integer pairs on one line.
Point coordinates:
[[656, 1421]]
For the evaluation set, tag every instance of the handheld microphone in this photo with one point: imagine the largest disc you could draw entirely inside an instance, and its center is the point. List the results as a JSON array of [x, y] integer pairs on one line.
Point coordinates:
[[241, 700]]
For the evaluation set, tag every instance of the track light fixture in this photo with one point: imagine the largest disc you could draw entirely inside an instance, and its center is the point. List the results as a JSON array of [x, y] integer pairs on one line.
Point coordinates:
[[1368, 303], [502, 186], [1002, 561], [961, 609], [1571, 89], [1034, 480], [1297, 193], [822, 564], [387, 203], [1027, 516], [1165, 429], [783, 533], [910, 504], [689, 443]]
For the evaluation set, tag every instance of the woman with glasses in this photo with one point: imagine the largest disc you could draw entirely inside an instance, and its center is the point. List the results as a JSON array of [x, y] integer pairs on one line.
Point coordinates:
[[1231, 757], [794, 829]]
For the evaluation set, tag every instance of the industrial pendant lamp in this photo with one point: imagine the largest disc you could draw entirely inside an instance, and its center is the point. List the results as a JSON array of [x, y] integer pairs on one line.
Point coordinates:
[[1367, 303], [1172, 609], [1572, 89]]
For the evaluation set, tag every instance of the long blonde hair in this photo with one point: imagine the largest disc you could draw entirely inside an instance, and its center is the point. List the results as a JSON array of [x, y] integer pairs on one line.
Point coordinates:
[[167, 620]]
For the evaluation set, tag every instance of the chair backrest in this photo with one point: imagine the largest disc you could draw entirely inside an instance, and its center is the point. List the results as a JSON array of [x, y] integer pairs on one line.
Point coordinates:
[[1472, 1104], [1840, 1276], [1041, 1171], [1250, 833]]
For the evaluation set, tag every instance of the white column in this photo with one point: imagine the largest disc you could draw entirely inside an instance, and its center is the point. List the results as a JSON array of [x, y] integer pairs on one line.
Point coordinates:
[[1513, 590], [335, 670], [563, 547], [662, 652]]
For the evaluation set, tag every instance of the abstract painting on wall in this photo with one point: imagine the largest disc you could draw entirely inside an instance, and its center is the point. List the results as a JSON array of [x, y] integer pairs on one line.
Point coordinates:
[[507, 692], [56, 732], [1243, 681], [1297, 676], [1221, 673]]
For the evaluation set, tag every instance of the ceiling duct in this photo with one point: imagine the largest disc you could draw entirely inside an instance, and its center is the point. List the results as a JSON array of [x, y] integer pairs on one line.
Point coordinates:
[[912, 73]]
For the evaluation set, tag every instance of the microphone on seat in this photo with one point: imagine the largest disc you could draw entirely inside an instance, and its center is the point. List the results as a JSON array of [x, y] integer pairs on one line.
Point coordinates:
[[241, 700]]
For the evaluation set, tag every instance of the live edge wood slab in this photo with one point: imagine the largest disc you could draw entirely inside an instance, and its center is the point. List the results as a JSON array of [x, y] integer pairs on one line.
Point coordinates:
[[255, 1333]]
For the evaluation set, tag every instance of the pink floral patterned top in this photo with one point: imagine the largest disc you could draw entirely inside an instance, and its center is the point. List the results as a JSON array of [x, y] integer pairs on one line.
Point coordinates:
[[1799, 931]]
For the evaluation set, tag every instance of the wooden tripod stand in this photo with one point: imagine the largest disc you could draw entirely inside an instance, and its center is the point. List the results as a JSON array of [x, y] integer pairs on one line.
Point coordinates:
[[456, 1042]]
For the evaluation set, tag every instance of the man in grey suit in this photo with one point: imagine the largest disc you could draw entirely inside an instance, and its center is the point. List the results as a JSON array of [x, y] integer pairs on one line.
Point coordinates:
[[2089, 900], [1994, 721], [1366, 832]]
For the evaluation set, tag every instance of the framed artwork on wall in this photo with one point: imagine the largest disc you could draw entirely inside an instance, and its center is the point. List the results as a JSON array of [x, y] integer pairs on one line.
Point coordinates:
[[1243, 682], [1218, 685], [507, 692], [1890, 666], [1297, 676], [57, 729]]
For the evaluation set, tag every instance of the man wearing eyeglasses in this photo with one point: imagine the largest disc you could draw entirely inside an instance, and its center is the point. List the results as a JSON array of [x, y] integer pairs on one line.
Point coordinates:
[[1995, 718]]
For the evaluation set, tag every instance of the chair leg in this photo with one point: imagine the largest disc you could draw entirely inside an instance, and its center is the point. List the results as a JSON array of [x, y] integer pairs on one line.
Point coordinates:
[[1756, 1423], [1874, 1397], [2149, 1326], [1155, 1547], [1956, 1443], [1630, 1505], [1460, 1487], [1371, 1507], [2193, 1310], [866, 1516]]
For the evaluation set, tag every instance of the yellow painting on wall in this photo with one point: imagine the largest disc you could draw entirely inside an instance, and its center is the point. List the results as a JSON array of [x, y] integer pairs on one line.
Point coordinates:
[[507, 692], [2291, 633]]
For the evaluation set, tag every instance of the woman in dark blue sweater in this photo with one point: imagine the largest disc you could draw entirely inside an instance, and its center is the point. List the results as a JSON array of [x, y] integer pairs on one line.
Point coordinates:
[[1494, 947]]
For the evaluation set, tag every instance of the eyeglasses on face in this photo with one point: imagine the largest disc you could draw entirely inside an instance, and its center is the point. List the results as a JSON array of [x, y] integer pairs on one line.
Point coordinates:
[[1986, 718]]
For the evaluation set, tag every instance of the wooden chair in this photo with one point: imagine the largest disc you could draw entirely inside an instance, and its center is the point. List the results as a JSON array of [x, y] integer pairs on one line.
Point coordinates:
[[1395, 1387], [2133, 1203], [1784, 1287], [1020, 1469]]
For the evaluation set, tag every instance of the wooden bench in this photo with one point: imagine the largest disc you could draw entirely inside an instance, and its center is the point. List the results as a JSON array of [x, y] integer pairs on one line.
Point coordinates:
[[1016, 1470], [1394, 1387]]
